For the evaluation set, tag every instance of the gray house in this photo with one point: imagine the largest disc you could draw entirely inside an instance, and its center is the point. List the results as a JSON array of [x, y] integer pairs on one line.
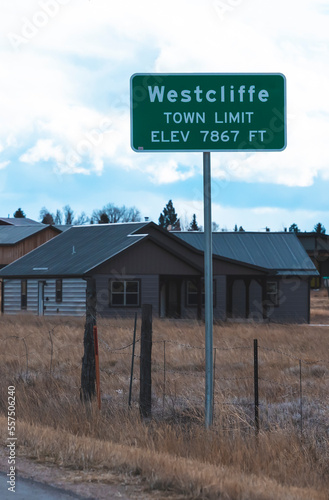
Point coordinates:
[[260, 276]]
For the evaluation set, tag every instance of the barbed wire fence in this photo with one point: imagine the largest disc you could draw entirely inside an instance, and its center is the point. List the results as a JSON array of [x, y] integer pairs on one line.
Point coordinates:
[[291, 390], [279, 393]]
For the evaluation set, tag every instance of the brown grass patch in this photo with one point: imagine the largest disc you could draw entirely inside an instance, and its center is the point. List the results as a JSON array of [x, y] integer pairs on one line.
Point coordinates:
[[173, 451]]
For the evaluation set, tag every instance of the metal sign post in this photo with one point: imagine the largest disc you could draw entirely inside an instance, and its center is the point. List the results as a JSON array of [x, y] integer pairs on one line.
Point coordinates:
[[208, 112], [208, 287]]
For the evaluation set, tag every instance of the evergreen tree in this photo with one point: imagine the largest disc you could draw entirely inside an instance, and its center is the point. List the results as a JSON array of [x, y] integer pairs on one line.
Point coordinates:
[[319, 228], [103, 218], [46, 217], [194, 225], [294, 228], [19, 214], [168, 217]]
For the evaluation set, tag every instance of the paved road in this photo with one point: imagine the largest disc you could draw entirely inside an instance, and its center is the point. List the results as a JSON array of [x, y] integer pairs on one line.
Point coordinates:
[[27, 489]]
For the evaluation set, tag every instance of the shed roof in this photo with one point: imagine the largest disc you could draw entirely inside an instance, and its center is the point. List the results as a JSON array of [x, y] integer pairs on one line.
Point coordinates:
[[76, 251], [10, 235], [280, 252]]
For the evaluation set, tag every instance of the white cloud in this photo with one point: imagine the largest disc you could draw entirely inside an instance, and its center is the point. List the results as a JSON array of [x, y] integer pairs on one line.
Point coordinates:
[[50, 84], [44, 150], [252, 219], [4, 164]]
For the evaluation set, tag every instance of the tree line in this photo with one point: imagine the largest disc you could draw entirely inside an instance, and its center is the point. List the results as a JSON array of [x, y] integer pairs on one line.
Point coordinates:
[[111, 213]]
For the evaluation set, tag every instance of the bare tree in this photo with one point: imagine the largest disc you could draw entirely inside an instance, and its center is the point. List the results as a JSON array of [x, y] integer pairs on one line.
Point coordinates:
[[68, 215], [81, 219], [58, 217], [131, 214], [110, 213]]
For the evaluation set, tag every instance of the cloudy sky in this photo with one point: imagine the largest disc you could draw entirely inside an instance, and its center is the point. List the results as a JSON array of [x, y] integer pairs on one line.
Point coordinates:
[[65, 110]]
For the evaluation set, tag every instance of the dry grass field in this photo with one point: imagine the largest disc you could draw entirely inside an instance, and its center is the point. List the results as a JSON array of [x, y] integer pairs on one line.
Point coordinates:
[[172, 454]]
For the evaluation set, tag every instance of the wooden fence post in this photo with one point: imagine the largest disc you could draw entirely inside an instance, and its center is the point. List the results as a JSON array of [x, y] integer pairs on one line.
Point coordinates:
[[88, 372], [132, 362], [256, 386], [145, 404], [98, 386]]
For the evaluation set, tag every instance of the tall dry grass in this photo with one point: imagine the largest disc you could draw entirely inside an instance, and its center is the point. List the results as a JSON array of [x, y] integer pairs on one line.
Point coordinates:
[[173, 451]]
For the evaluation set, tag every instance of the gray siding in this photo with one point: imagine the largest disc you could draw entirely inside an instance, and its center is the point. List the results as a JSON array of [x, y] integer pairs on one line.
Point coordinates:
[[73, 298], [73, 303], [149, 294], [293, 302], [220, 301], [12, 297], [220, 307], [255, 301], [239, 299]]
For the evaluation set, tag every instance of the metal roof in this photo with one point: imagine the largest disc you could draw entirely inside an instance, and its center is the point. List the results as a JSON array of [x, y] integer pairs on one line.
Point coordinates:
[[19, 221], [280, 252], [76, 251], [80, 249], [10, 235]]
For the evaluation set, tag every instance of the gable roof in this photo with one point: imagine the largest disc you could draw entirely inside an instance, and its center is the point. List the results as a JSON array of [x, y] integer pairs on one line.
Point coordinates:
[[11, 235], [279, 252], [76, 251], [81, 249]]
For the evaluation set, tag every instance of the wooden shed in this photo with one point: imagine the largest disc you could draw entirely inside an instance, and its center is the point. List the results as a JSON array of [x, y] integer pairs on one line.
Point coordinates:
[[18, 240]]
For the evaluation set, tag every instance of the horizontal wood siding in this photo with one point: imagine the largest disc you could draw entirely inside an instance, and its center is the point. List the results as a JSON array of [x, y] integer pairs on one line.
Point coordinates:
[[9, 253], [149, 294], [293, 302], [73, 298], [12, 297], [73, 303]]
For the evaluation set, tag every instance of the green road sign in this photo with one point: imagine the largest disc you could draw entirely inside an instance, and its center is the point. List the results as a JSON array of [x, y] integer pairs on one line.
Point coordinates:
[[208, 112]]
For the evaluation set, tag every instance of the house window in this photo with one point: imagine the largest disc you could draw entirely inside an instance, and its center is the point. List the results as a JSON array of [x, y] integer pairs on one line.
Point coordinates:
[[192, 293], [59, 290], [272, 292], [23, 294], [124, 293]]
